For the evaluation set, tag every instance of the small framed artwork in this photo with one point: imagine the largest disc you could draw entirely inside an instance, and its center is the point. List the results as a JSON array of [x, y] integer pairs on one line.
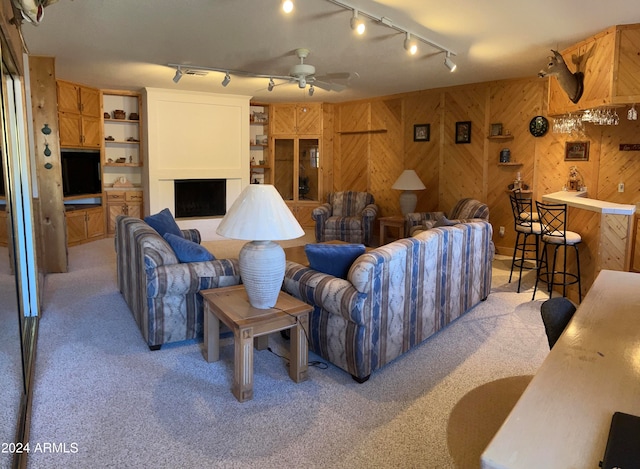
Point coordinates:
[[421, 132], [496, 130], [463, 132], [576, 151]]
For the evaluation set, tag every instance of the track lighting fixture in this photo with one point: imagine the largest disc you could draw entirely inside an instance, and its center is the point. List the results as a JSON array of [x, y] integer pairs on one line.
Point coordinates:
[[357, 24], [311, 90], [178, 75], [287, 6], [410, 45], [449, 63], [227, 79], [411, 39], [271, 84]]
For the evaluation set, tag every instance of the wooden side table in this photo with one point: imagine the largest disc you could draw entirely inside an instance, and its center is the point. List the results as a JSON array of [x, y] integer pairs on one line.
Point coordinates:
[[395, 221], [231, 306]]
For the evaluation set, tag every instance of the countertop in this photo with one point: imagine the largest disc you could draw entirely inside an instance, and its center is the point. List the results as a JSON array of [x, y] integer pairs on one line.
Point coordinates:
[[580, 200]]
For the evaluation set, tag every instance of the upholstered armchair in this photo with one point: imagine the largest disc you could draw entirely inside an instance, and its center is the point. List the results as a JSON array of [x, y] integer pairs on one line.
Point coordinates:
[[465, 210], [347, 216]]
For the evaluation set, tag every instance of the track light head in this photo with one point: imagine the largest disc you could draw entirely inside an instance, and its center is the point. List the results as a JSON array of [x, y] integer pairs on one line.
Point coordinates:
[[311, 90], [271, 84], [410, 45], [357, 24], [226, 80], [450, 64], [287, 6], [178, 75]]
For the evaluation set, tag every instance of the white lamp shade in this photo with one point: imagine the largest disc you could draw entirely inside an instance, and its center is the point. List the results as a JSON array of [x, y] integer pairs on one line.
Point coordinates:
[[408, 181], [259, 213]]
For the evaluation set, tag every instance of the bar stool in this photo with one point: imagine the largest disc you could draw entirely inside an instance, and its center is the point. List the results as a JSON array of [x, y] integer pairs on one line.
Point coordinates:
[[553, 221], [525, 227]]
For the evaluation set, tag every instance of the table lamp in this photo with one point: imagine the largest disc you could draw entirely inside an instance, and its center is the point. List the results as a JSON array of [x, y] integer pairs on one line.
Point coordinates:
[[259, 214], [407, 183]]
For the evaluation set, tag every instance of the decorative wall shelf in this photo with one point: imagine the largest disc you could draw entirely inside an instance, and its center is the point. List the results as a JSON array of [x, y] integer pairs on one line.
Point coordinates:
[[500, 137], [513, 163]]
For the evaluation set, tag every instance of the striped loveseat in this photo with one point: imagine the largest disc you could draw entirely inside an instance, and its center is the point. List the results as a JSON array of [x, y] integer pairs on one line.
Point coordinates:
[[395, 296], [161, 292]]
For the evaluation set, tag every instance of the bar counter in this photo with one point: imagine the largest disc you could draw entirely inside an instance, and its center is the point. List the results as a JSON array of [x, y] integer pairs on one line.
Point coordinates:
[[605, 228]]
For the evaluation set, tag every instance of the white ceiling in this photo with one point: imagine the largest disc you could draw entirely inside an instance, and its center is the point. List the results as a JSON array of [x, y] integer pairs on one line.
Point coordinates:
[[126, 44]]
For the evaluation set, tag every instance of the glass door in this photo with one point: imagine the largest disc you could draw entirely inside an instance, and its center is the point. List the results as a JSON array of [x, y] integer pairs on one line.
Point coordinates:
[[309, 162], [284, 166], [297, 162], [18, 272]]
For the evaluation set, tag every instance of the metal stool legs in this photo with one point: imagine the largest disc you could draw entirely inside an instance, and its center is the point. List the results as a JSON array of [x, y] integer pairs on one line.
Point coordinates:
[[522, 249]]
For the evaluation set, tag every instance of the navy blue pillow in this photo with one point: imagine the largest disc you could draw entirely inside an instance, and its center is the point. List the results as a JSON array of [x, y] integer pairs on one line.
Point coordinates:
[[163, 222], [333, 259], [186, 250]]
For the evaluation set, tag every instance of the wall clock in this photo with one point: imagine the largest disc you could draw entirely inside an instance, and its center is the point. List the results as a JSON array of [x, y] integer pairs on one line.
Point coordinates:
[[538, 126]]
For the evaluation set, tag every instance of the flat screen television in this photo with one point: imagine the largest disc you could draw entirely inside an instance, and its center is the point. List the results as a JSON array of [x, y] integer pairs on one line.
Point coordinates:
[[80, 172]]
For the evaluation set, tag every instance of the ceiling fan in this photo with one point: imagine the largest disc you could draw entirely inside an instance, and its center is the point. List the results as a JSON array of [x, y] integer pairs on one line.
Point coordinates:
[[305, 74]]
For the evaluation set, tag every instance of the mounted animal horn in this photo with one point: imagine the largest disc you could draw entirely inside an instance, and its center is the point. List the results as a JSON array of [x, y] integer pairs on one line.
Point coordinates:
[[571, 83]]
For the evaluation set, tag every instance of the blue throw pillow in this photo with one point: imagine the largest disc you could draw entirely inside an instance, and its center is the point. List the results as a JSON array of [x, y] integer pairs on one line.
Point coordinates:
[[333, 259], [163, 222], [186, 250]]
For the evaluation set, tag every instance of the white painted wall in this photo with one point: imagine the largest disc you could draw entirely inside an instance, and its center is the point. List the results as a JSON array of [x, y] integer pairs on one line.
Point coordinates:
[[193, 135]]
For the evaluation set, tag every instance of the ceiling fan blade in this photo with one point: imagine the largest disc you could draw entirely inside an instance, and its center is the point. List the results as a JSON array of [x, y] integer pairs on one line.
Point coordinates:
[[339, 76], [323, 85]]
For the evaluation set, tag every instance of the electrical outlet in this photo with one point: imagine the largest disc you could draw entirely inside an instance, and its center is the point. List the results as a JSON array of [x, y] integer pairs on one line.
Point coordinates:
[[621, 187], [502, 231]]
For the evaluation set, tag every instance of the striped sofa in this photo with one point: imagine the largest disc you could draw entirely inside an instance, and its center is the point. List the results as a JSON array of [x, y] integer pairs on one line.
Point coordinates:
[[395, 296], [161, 292]]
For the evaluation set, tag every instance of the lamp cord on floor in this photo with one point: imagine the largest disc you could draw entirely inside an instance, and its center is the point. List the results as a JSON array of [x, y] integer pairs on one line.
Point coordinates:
[[317, 363]]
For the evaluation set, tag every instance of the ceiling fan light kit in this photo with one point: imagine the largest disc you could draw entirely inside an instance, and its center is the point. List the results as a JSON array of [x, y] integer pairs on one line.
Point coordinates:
[[305, 74]]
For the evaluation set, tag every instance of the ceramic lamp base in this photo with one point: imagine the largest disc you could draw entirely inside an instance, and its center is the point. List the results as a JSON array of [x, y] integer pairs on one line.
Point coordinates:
[[408, 201], [262, 265]]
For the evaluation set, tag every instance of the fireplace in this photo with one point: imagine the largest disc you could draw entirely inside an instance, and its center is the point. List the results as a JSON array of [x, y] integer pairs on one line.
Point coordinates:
[[198, 198]]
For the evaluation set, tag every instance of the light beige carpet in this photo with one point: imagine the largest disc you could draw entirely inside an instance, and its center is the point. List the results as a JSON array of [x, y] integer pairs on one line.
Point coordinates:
[[478, 416]]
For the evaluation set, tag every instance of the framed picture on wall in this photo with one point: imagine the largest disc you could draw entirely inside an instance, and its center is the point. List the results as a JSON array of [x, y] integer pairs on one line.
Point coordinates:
[[496, 130], [421, 132], [463, 132], [576, 151]]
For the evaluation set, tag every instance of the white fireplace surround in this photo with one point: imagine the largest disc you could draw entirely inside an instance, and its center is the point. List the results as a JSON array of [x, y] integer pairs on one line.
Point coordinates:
[[191, 135]]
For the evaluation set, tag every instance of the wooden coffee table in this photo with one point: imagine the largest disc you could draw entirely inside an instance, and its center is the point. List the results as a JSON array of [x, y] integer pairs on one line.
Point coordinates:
[[231, 306]]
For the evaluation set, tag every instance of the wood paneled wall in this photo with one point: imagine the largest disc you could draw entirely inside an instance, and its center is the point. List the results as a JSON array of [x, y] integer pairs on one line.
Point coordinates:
[[374, 144]]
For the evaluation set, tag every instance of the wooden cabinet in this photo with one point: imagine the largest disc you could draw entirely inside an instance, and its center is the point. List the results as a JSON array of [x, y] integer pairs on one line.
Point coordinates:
[[79, 115], [302, 212], [122, 203], [610, 63], [84, 224], [301, 119], [295, 156]]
